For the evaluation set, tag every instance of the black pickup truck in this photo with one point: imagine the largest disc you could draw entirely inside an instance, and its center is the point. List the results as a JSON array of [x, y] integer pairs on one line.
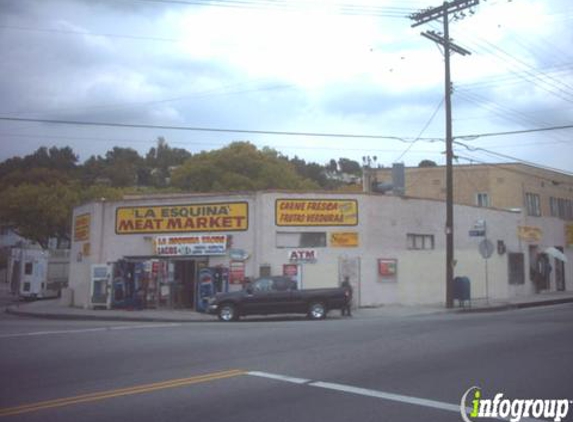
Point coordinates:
[[277, 295]]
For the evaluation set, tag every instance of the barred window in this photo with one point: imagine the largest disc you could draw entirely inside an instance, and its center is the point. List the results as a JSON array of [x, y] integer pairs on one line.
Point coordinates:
[[533, 204], [420, 241]]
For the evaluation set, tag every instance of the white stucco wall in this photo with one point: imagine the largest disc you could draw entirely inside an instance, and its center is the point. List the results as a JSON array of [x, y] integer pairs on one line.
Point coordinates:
[[383, 225]]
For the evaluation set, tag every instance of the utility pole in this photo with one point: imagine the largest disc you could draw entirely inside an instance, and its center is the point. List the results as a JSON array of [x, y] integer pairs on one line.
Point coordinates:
[[448, 9]]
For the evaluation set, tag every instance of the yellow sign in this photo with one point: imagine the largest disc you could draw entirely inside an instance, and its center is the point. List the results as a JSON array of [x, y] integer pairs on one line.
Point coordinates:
[[529, 233], [86, 249], [220, 217], [82, 228], [316, 212], [569, 235], [344, 239]]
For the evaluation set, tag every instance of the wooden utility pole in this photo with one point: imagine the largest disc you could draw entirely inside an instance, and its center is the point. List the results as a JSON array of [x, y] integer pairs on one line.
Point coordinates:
[[444, 12]]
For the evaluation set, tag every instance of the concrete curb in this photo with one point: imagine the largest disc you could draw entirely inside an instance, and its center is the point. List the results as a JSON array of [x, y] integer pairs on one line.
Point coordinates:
[[513, 306], [202, 318], [89, 317]]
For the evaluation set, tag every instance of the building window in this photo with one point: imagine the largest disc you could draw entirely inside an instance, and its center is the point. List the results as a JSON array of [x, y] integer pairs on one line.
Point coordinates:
[[482, 199], [28, 268], [301, 239], [554, 207], [420, 241], [561, 208], [533, 204]]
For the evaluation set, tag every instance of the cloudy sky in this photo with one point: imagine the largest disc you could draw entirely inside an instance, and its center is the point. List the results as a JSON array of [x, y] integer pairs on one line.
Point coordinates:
[[298, 66]]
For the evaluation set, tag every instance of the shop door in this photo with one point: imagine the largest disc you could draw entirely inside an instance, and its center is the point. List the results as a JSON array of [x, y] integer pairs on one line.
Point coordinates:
[[184, 284], [559, 273]]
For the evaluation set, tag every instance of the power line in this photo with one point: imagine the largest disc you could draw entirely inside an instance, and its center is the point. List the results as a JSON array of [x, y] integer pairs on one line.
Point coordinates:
[[423, 130], [206, 129], [221, 144], [512, 132], [294, 5], [508, 157]]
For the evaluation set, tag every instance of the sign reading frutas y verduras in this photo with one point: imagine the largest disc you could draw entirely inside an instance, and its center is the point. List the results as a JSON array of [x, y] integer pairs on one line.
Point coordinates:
[[316, 212], [191, 245], [82, 228], [228, 216]]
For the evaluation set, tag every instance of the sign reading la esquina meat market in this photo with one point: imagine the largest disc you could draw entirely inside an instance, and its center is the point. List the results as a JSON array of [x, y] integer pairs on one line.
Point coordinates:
[[228, 216]]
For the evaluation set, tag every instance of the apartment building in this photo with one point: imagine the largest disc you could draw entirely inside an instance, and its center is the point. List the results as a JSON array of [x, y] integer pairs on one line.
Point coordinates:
[[510, 186]]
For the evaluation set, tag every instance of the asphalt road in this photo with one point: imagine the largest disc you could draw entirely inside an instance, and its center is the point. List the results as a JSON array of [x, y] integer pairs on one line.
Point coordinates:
[[369, 369]]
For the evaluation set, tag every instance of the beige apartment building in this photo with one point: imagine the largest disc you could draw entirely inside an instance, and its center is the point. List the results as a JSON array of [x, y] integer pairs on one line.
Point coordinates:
[[509, 186]]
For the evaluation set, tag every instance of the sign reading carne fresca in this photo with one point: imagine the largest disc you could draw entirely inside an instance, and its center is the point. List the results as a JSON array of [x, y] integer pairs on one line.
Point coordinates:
[[217, 217], [316, 212]]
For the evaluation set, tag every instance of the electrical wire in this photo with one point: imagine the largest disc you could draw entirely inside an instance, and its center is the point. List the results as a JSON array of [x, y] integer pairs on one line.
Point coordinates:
[[204, 129], [430, 120]]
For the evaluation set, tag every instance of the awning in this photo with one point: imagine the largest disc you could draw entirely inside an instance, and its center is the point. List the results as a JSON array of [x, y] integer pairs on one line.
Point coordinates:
[[555, 253]]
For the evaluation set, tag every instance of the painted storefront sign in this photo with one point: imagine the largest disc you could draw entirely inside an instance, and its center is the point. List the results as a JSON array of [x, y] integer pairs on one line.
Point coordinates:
[[236, 272], [529, 233], [227, 216], [82, 228], [316, 212], [344, 239], [569, 235], [191, 245], [303, 255]]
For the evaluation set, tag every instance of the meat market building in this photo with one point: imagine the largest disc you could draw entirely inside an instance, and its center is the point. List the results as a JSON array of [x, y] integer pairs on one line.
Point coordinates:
[[174, 251]]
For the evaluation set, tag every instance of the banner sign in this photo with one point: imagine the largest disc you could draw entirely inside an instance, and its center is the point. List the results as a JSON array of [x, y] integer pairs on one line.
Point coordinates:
[[228, 216], [569, 235], [529, 233], [344, 239], [236, 272], [82, 228], [191, 245], [316, 212]]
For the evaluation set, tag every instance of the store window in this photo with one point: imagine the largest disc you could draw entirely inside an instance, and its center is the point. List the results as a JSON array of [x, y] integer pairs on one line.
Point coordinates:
[[301, 239], [533, 204], [420, 241]]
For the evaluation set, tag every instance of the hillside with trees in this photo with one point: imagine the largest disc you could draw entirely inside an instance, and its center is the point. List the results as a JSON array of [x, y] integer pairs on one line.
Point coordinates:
[[40, 190]]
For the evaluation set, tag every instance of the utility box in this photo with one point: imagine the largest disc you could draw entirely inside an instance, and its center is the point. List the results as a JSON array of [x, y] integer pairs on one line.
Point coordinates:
[[462, 290]]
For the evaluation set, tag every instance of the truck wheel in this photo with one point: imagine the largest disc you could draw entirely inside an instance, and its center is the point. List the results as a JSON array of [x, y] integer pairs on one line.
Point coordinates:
[[228, 312], [317, 310]]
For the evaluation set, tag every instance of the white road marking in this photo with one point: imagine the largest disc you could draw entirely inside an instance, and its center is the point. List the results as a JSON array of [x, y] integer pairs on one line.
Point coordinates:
[[388, 396], [416, 401], [89, 330], [279, 377]]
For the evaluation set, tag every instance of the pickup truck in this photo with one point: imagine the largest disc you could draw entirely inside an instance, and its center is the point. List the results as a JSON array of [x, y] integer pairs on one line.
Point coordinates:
[[277, 295]]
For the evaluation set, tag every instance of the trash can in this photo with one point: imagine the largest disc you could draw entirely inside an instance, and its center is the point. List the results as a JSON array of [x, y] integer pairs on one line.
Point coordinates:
[[462, 290]]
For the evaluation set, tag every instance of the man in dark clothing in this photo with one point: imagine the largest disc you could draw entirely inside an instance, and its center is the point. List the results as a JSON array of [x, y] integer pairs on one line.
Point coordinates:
[[347, 308]]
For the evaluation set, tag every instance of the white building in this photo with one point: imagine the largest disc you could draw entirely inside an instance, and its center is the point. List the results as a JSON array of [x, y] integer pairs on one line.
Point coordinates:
[[169, 250]]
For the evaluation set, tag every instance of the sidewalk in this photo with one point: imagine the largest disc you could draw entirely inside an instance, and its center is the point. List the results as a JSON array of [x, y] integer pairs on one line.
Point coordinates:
[[53, 310]]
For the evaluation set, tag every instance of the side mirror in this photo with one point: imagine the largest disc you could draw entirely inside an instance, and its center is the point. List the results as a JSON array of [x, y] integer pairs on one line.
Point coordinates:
[[249, 290]]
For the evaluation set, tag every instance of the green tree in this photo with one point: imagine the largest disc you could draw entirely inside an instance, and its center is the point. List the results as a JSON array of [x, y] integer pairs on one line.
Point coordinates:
[[427, 163], [41, 211], [239, 166], [161, 160], [348, 166]]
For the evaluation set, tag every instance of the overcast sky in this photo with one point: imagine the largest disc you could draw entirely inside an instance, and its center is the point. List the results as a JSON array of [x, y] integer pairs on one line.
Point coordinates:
[[310, 66]]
